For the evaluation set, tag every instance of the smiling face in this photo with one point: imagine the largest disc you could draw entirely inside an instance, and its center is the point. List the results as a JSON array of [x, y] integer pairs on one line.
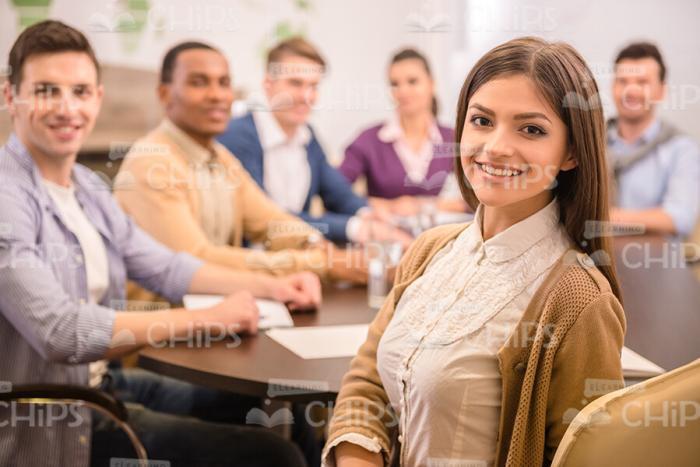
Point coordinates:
[[55, 106], [513, 145], [637, 88], [411, 86], [291, 86], [198, 98]]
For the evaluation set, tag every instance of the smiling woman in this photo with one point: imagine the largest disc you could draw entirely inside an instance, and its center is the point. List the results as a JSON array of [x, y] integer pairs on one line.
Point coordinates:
[[513, 146], [446, 351], [535, 107]]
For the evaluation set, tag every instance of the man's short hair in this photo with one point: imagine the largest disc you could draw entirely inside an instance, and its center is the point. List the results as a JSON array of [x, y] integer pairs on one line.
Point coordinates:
[[639, 50], [170, 59], [47, 37], [294, 47]]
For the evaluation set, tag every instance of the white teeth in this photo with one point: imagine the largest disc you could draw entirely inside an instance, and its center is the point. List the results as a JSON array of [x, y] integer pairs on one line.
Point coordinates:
[[65, 129], [499, 172]]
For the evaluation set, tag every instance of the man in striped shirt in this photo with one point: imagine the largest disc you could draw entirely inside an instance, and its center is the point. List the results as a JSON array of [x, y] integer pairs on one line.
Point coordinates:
[[66, 251]]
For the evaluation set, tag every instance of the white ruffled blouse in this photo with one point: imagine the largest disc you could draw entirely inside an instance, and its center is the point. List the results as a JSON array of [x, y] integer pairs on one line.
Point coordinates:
[[437, 358]]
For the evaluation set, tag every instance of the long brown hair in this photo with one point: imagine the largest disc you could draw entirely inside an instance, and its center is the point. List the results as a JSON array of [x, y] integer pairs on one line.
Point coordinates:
[[565, 81], [413, 54]]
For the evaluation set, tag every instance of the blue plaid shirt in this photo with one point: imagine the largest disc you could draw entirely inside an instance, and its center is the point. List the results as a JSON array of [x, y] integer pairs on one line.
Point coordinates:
[[48, 330]]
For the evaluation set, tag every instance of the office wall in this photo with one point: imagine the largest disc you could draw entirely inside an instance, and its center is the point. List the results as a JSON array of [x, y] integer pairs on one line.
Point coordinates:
[[598, 29], [358, 37]]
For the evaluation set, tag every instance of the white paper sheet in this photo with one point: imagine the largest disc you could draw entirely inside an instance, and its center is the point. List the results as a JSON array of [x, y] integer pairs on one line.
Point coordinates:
[[322, 341], [636, 366], [318, 342], [272, 314]]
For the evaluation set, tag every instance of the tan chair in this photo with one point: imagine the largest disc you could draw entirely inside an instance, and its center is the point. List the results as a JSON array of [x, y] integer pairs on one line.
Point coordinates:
[[653, 423]]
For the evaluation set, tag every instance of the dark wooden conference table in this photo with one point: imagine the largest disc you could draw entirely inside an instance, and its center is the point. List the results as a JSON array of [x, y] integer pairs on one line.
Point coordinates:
[[661, 301]]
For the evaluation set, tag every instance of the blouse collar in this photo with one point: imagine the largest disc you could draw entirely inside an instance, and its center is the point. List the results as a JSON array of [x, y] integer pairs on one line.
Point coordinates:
[[516, 239], [392, 131]]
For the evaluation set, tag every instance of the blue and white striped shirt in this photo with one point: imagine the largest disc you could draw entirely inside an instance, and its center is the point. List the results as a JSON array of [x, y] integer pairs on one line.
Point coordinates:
[[48, 330]]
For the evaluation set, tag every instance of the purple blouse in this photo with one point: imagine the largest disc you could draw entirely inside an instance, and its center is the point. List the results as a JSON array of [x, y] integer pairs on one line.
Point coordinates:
[[386, 176]]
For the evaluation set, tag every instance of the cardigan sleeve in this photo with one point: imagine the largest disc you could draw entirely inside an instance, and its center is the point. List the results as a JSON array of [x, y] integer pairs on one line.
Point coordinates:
[[162, 208], [586, 365]]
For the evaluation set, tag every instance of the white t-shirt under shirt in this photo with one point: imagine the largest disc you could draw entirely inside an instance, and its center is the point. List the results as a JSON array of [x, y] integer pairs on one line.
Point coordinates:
[[94, 254], [286, 172]]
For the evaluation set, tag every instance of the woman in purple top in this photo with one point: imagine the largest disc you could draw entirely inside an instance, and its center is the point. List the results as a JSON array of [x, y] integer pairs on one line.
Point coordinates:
[[410, 155]]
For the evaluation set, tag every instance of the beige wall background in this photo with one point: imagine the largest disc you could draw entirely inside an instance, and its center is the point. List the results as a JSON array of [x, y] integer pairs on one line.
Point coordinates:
[[357, 37]]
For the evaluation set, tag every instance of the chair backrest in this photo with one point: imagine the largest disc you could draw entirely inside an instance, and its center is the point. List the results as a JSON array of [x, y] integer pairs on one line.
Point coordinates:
[[653, 423], [100, 401]]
